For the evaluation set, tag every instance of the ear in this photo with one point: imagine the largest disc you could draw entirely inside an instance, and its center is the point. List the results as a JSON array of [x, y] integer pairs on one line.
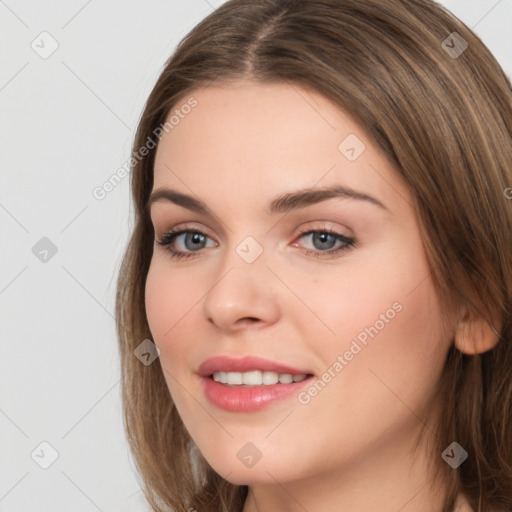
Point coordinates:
[[474, 335]]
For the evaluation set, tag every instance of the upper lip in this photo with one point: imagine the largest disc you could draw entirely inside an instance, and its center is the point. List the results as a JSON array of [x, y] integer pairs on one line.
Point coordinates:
[[245, 364]]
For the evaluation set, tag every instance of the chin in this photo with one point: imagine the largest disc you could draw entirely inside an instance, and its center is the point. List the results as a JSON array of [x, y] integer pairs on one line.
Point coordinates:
[[254, 476], [239, 469]]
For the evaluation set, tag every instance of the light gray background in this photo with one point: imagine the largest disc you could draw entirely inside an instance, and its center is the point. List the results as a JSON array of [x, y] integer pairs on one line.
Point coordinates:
[[67, 123]]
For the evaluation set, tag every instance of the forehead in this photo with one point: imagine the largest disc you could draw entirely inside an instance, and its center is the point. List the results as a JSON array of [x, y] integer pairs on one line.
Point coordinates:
[[259, 139], [249, 117]]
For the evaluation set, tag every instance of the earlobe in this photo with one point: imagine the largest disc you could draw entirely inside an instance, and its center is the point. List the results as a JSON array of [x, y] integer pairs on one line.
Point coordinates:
[[474, 335]]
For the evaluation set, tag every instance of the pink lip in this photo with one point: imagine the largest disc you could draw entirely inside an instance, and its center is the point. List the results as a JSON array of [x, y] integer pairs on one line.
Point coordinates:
[[250, 398]]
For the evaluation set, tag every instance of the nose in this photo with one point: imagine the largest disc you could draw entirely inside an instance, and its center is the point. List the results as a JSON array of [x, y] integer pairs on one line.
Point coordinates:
[[243, 295]]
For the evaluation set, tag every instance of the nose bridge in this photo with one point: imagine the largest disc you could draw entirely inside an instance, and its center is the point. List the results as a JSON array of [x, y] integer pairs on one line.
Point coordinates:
[[246, 257], [249, 250]]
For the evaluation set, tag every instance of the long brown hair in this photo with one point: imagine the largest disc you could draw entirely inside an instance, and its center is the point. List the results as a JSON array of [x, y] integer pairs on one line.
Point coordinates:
[[440, 108]]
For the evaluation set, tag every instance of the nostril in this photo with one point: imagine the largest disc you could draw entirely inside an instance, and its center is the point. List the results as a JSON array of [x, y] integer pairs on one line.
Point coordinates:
[[247, 320]]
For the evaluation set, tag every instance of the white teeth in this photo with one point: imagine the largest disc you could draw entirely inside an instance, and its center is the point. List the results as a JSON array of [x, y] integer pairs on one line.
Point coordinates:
[[234, 378], [220, 376], [270, 378], [256, 378]]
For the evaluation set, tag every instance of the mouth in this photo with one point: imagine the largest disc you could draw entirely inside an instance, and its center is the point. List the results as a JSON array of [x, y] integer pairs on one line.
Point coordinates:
[[250, 383], [256, 378]]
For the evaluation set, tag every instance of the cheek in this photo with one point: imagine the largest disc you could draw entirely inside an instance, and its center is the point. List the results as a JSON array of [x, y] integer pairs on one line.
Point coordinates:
[[169, 300], [392, 341], [389, 328], [159, 301], [385, 311]]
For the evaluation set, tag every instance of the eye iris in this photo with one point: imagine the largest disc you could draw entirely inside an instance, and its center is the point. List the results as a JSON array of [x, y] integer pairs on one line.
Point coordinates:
[[323, 240], [196, 238]]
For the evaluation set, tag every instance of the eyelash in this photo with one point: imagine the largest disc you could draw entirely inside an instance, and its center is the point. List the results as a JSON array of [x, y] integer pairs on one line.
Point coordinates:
[[169, 238]]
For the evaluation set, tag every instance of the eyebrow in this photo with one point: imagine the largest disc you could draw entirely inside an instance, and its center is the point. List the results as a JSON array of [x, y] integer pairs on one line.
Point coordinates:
[[281, 204]]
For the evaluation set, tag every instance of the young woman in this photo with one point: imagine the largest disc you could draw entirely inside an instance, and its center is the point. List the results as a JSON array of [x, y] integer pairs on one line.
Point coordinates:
[[314, 309]]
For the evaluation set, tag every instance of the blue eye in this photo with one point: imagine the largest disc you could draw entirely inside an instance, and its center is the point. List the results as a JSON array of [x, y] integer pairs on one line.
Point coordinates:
[[192, 241], [324, 242], [184, 243]]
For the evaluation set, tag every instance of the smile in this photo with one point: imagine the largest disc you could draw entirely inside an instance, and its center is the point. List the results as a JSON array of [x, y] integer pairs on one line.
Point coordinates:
[[256, 378], [250, 383]]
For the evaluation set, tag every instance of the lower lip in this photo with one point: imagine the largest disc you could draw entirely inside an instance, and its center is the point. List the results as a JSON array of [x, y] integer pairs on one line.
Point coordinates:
[[251, 398]]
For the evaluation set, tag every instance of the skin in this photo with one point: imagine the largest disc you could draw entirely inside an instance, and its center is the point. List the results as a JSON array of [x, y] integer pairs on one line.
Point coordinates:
[[352, 446]]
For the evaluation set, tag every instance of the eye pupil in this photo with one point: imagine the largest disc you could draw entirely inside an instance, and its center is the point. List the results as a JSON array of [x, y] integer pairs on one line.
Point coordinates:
[[324, 240], [196, 240]]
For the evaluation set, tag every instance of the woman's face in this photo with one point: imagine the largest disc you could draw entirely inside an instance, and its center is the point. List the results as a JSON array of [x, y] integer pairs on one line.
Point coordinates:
[[302, 249]]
